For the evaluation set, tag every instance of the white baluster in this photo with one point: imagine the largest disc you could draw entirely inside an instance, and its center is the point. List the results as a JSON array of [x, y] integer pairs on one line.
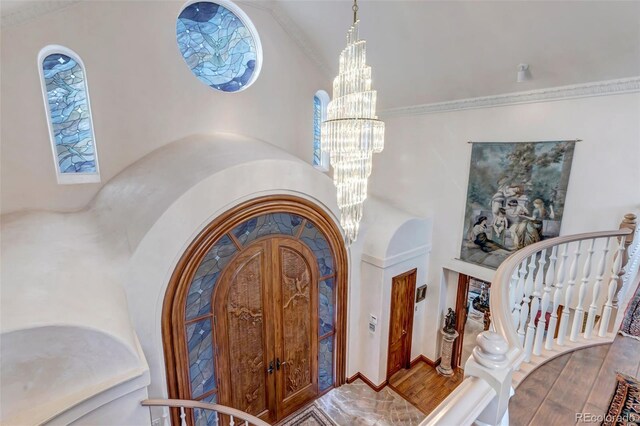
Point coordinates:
[[557, 295], [525, 301], [573, 271], [231, 421], [246, 423], [537, 294], [528, 286], [593, 307], [183, 417], [613, 286], [165, 417], [514, 298], [546, 298], [578, 316], [217, 418]]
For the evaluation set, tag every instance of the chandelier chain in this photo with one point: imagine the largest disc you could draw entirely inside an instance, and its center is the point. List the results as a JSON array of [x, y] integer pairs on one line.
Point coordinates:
[[355, 10]]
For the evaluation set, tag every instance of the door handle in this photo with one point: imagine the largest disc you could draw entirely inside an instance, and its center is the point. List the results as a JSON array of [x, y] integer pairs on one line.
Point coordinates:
[[270, 369], [278, 363], [404, 332]]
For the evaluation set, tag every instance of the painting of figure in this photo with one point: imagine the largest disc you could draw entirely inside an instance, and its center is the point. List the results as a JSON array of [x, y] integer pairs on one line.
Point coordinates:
[[515, 197]]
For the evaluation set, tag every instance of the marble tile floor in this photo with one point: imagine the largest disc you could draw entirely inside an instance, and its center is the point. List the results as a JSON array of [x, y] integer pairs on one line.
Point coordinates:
[[472, 328], [357, 404]]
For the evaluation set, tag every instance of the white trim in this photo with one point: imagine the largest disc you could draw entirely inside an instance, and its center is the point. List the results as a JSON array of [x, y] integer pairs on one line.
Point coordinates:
[[395, 259], [67, 178], [247, 22], [598, 88]]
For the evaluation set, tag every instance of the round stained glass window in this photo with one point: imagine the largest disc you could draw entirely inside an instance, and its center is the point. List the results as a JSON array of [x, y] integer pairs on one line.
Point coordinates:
[[219, 44]]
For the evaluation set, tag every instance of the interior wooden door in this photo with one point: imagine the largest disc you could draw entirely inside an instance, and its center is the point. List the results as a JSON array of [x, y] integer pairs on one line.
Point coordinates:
[[462, 299], [403, 289], [244, 348], [296, 320]]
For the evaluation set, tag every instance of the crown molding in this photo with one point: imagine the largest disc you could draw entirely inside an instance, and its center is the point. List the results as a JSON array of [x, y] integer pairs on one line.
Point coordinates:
[[598, 88], [386, 262], [29, 10]]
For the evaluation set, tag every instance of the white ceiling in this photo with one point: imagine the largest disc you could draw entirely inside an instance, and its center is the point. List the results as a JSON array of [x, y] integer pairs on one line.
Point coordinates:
[[431, 51], [426, 51]]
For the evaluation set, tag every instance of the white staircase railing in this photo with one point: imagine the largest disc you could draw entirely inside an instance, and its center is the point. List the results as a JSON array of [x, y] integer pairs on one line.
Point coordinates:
[[186, 413], [552, 297]]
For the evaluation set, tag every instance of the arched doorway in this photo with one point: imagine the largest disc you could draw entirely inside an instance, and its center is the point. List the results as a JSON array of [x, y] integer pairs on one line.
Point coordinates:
[[254, 316]]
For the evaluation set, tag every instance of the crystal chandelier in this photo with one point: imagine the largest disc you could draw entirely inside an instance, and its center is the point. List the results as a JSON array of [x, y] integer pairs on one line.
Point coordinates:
[[352, 131]]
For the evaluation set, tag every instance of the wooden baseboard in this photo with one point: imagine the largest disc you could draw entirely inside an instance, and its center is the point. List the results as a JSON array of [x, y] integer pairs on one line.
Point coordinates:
[[426, 360], [369, 383]]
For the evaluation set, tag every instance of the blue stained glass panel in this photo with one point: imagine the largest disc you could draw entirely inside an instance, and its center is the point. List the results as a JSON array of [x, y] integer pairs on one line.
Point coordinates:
[[217, 46], [325, 364], [268, 224], [200, 347], [313, 238], [69, 114], [206, 276], [325, 307], [317, 121], [206, 417]]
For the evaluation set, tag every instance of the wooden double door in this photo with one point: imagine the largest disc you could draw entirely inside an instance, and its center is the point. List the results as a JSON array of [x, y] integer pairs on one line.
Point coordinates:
[[266, 323]]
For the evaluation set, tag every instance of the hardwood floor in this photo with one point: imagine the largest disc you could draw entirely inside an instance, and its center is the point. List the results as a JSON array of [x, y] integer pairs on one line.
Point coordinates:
[[423, 387], [578, 382]]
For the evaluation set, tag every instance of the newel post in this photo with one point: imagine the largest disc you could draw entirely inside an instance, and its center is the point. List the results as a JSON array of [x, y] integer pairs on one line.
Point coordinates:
[[628, 222], [490, 363]]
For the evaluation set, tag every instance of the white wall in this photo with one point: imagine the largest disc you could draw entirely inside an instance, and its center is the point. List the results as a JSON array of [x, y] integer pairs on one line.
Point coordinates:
[[424, 170], [143, 95], [393, 242]]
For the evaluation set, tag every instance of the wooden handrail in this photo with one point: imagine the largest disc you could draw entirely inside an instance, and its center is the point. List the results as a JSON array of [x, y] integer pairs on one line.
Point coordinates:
[[500, 309], [222, 409]]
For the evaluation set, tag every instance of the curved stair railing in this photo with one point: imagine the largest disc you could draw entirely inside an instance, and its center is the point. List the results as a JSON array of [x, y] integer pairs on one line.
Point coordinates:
[[187, 409], [549, 298]]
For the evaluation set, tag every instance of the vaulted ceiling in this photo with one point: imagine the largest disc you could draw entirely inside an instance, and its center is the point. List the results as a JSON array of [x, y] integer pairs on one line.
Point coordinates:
[[433, 51], [426, 51]]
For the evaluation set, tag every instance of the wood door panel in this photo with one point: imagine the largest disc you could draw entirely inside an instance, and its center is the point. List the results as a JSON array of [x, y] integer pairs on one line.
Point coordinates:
[[297, 319], [243, 344], [403, 289], [246, 338], [396, 338], [296, 325]]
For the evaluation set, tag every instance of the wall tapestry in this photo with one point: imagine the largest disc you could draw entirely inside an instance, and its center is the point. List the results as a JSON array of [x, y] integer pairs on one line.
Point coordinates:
[[515, 197]]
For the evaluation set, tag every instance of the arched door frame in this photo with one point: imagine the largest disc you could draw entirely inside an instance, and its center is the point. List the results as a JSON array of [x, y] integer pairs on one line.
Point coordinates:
[[175, 297]]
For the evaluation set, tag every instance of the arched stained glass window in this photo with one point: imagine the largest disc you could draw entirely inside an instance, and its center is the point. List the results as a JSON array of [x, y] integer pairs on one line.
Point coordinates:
[[66, 98], [219, 44], [320, 102]]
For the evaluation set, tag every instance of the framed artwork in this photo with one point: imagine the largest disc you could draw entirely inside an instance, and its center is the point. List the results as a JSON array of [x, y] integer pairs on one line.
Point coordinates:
[[515, 197]]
